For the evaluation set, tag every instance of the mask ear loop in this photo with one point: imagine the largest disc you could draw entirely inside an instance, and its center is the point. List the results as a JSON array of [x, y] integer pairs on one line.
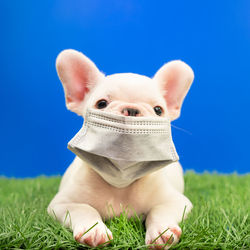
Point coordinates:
[[181, 129]]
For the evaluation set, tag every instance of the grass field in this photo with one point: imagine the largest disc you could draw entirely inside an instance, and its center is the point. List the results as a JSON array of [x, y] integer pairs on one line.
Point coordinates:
[[219, 220]]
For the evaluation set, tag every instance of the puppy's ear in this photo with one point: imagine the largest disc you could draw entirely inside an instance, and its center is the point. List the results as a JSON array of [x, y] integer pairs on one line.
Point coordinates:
[[78, 75], [174, 79]]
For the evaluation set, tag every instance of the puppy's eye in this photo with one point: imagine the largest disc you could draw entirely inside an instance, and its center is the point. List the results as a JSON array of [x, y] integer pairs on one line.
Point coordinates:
[[101, 104], [158, 110]]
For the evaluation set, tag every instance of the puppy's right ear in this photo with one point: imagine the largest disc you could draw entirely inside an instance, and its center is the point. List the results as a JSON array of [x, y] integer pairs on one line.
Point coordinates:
[[78, 75]]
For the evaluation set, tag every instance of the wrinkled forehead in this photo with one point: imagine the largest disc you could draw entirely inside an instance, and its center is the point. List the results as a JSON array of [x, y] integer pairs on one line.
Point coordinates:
[[130, 85]]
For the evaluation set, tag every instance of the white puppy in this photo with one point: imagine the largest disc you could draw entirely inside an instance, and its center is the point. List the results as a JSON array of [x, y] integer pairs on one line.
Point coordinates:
[[84, 196]]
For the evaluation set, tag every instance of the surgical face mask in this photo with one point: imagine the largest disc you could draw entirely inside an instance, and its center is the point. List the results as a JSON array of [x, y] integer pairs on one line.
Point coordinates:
[[122, 149]]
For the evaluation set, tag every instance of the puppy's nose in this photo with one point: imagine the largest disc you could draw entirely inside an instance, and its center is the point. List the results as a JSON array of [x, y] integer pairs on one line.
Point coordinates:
[[130, 112]]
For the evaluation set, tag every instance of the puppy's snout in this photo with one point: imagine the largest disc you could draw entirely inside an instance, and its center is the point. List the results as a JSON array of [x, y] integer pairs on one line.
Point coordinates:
[[130, 112]]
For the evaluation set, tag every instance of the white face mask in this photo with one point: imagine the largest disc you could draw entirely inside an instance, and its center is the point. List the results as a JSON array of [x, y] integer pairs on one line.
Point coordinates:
[[122, 149]]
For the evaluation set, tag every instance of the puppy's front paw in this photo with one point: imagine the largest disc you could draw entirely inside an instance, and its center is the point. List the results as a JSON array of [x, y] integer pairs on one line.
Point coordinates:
[[162, 237], [97, 235]]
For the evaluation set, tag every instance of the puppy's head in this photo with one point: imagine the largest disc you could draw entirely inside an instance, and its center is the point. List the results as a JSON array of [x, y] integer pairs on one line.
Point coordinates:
[[123, 94]]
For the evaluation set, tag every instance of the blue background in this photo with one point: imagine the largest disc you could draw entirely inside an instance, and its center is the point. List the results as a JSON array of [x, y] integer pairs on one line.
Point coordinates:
[[213, 37]]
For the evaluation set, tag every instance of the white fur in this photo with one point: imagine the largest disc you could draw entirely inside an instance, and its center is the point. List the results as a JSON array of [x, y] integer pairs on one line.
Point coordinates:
[[84, 198]]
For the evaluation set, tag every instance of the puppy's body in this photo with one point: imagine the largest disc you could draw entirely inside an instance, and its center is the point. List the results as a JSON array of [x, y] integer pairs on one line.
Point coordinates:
[[84, 197], [82, 184]]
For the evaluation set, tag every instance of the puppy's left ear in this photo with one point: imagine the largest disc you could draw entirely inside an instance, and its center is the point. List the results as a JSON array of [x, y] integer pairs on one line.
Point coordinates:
[[174, 79]]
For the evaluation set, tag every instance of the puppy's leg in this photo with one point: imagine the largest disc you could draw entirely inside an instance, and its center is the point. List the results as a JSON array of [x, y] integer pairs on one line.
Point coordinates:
[[80, 218], [163, 219]]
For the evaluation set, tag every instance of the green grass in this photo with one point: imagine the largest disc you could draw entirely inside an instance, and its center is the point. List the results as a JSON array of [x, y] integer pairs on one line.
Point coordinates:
[[219, 219]]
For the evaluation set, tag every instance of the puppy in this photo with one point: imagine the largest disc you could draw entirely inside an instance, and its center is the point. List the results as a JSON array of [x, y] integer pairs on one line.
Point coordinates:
[[85, 195]]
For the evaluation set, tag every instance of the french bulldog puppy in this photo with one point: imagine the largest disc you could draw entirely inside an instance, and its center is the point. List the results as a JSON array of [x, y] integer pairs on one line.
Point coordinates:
[[84, 197]]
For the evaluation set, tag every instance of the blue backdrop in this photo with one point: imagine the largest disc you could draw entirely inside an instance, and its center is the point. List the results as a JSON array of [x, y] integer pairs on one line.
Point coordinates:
[[213, 37]]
